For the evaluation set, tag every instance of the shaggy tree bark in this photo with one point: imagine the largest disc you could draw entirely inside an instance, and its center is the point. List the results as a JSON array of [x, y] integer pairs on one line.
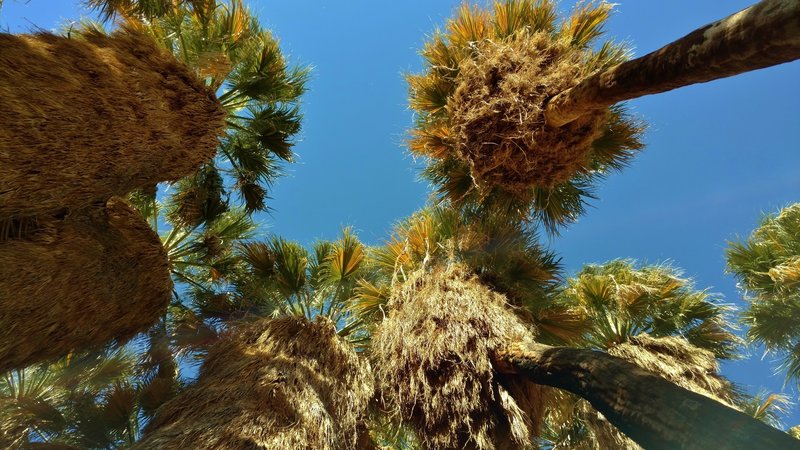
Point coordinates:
[[650, 410], [763, 35]]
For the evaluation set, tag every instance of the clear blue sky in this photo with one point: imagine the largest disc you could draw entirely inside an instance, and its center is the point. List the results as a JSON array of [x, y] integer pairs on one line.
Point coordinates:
[[718, 154]]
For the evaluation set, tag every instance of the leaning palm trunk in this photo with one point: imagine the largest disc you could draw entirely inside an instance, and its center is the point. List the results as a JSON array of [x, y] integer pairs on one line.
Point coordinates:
[[671, 357], [76, 281], [766, 34], [654, 412], [92, 116], [272, 384]]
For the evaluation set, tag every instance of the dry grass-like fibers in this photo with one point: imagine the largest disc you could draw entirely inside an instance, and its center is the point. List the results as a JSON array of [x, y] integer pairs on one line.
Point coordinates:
[[91, 117], [281, 383], [433, 363], [673, 358], [78, 281], [497, 113]]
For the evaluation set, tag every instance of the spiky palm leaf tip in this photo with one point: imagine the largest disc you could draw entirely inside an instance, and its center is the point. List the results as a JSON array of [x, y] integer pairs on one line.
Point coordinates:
[[433, 363], [767, 266], [480, 108]]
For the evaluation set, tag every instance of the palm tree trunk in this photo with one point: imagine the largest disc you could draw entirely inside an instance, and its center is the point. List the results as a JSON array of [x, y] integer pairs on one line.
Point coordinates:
[[763, 35], [650, 410]]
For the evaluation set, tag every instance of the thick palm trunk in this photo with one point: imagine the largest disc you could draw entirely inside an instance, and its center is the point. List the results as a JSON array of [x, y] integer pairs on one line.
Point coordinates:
[[650, 410], [766, 34]]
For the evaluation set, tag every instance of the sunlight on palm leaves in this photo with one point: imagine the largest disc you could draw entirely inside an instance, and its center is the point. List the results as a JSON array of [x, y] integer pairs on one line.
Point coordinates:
[[506, 255], [227, 47], [431, 97], [767, 266], [622, 300], [81, 401], [767, 407]]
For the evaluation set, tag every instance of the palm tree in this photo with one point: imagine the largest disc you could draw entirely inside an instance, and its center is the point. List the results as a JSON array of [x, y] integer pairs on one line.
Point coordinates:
[[654, 318], [223, 50], [482, 124], [479, 114], [81, 102], [226, 47], [767, 266], [519, 111], [62, 278], [447, 317], [281, 370]]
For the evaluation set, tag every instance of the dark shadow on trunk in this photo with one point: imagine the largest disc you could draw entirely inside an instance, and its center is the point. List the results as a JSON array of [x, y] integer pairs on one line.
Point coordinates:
[[650, 410]]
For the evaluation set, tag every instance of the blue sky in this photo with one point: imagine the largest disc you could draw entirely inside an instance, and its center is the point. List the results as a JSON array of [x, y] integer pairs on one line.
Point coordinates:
[[718, 154]]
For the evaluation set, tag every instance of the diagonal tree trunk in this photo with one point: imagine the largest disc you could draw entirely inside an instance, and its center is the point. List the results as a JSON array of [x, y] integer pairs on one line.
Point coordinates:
[[655, 413], [763, 35]]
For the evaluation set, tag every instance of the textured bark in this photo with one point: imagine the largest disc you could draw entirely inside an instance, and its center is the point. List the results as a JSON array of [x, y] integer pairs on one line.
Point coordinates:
[[763, 35], [647, 408]]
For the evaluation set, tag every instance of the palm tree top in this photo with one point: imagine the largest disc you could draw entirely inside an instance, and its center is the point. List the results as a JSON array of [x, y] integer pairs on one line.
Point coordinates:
[[479, 105]]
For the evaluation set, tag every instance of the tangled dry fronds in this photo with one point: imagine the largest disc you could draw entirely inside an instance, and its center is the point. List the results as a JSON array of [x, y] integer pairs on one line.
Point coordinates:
[[497, 117], [76, 281], [680, 362], [92, 116], [481, 99], [272, 384], [432, 359]]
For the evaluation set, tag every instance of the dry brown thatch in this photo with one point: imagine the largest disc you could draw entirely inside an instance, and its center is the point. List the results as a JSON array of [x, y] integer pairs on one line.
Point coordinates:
[[497, 114], [433, 363], [88, 118], [674, 358], [78, 281], [284, 383]]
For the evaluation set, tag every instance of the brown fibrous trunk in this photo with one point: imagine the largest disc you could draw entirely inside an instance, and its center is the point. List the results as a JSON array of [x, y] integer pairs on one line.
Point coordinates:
[[74, 281], [94, 116]]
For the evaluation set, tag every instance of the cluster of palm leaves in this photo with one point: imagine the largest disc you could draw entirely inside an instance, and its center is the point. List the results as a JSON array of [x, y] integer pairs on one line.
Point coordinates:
[[226, 274]]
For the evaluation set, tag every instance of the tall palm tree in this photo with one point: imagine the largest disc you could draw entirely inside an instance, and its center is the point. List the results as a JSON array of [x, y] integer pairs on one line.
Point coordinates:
[[519, 111], [63, 278], [223, 50], [446, 317], [97, 115], [481, 121], [767, 266], [480, 117], [280, 370]]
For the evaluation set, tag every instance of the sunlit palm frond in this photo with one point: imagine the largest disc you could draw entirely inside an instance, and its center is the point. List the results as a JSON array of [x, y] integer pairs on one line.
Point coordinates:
[[767, 266]]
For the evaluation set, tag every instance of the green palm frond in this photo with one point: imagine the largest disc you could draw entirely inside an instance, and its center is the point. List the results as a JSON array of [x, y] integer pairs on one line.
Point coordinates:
[[767, 266], [766, 407], [622, 299]]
